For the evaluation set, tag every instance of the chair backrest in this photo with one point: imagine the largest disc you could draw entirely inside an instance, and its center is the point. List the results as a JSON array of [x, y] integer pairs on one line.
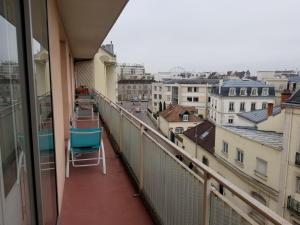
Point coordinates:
[[85, 137]]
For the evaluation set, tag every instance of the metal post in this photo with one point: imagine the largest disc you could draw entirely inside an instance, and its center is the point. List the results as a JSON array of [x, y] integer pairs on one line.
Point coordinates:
[[141, 186], [206, 198]]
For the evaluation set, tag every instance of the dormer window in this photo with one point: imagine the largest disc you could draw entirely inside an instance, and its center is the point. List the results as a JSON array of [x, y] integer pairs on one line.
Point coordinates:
[[185, 117], [265, 92], [243, 92], [232, 92], [254, 92]]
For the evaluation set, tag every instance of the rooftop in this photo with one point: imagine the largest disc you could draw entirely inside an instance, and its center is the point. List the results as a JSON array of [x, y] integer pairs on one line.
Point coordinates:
[[271, 139], [203, 134], [294, 79], [295, 99], [191, 81], [137, 81], [258, 116], [174, 113], [244, 83]]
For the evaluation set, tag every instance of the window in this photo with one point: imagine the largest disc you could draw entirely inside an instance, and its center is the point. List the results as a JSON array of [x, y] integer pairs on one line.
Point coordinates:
[[159, 96], [239, 156], [264, 105], [261, 166], [298, 184], [230, 120], [196, 99], [190, 89], [185, 117], [179, 130], [231, 106], [208, 99], [160, 88], [232, 92], [216, 104], [155, 88], [243, 92], [155, 96], [253, 106], [168, 97], [196, 89], [189, 99], [205, 161], [225, 147], [155, 103], [242, 106], [254, 92], [168, 88], [265, 92]]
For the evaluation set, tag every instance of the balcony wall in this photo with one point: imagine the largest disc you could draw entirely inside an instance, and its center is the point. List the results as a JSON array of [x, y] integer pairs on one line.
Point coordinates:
[[176, 194]]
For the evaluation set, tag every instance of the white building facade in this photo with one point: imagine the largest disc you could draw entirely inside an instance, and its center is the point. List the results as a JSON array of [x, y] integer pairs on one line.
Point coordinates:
[[231, 97]]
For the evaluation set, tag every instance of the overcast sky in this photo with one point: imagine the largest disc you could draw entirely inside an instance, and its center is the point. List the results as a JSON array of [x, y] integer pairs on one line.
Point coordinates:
[[209, 35]]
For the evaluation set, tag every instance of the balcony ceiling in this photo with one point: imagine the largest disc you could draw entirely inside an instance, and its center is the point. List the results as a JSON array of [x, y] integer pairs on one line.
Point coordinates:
[[88, 22]]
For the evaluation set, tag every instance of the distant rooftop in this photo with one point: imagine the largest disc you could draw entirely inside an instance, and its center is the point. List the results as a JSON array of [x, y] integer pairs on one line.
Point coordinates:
[[136, 81], [295, 79], [244, 83], [191, 81], [203, 134], [295, 99], [271, 139], [258, 116], [175, 113]]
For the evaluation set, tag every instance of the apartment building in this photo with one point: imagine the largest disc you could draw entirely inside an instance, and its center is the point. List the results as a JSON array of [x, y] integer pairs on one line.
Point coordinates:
[[176, 119], [133, 72], [280, 83], [293, 83], [185, 92], [231, 97], [128, 89]]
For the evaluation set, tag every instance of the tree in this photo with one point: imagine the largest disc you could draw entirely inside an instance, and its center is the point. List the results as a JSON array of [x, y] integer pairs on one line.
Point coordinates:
[[160, 106], [165, 107]]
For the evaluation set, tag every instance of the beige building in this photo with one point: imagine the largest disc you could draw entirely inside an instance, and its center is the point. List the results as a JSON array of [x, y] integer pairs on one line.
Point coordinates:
[[185, 92], [279, 83], [176, 119]]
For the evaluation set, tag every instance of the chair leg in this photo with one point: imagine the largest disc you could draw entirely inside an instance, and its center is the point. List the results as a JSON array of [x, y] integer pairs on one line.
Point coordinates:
[[68, 162], [103, 158]]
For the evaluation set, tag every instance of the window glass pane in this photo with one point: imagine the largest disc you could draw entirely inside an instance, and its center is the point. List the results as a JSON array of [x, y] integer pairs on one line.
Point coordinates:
[[45, 115], [14, 183]]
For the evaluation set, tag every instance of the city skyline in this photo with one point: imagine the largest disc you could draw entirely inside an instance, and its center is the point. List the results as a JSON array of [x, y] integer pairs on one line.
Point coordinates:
[[209, 36]]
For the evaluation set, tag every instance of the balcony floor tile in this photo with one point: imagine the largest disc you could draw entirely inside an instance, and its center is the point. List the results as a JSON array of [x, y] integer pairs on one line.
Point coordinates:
[[93, 198]]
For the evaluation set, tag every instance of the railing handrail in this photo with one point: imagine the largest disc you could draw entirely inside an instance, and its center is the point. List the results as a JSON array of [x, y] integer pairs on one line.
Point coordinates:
[[241, 194]]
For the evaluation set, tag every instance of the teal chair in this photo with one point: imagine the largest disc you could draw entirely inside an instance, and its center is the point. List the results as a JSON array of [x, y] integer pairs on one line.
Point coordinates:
[[84, 141]]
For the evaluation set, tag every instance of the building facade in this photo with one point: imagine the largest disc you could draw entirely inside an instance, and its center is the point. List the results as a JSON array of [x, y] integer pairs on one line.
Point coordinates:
[[129, 89], [231, 97], [185, 92], [133, 72]]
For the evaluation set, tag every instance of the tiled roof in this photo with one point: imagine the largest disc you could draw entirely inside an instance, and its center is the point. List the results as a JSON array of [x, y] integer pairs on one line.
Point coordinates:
[[203, 134], [271, 139], [295, 99], [244, 83], [258, 116], [174, 113], [191, 81], [135, 81]]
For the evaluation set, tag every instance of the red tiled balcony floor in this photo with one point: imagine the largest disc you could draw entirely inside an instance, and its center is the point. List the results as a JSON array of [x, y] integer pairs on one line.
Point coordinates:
[[92, 198]]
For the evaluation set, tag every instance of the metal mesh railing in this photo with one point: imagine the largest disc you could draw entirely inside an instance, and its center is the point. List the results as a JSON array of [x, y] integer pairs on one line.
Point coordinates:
[[177, 194]]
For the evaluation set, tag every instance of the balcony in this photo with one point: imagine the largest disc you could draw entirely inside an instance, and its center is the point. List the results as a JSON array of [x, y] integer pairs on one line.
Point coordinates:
[[175, 193], [297, 159], [293, 205]]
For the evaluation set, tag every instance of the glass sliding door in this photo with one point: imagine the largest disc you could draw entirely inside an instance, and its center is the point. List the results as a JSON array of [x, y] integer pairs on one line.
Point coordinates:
[[15, 174], [42, 78]]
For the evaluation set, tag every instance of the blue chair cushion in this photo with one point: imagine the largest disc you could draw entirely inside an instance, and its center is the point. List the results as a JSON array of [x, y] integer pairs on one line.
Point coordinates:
[[85, 138]]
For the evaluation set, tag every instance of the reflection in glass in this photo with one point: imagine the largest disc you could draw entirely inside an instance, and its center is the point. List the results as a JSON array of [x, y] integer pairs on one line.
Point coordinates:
[[14, 189], [45, 116]]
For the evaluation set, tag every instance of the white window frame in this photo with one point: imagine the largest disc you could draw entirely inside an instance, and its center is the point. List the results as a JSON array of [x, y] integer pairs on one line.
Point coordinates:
[[231, 109], [185, 117], [263, 162], [245, 92], [232, 92], [179, 130], [298, 184], [242, 103], [190, 89], [240, 156], [254, 91], [230, 118], [225, 150], [265, 92]]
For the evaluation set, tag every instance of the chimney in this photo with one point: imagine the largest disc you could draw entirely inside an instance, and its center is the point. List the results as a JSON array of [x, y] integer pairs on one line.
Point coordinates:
[[285, 95], [270, 109]]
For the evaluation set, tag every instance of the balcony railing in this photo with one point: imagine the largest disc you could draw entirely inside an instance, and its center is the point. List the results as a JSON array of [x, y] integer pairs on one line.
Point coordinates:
[[293, 205], [297, 159], [176, 193]]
